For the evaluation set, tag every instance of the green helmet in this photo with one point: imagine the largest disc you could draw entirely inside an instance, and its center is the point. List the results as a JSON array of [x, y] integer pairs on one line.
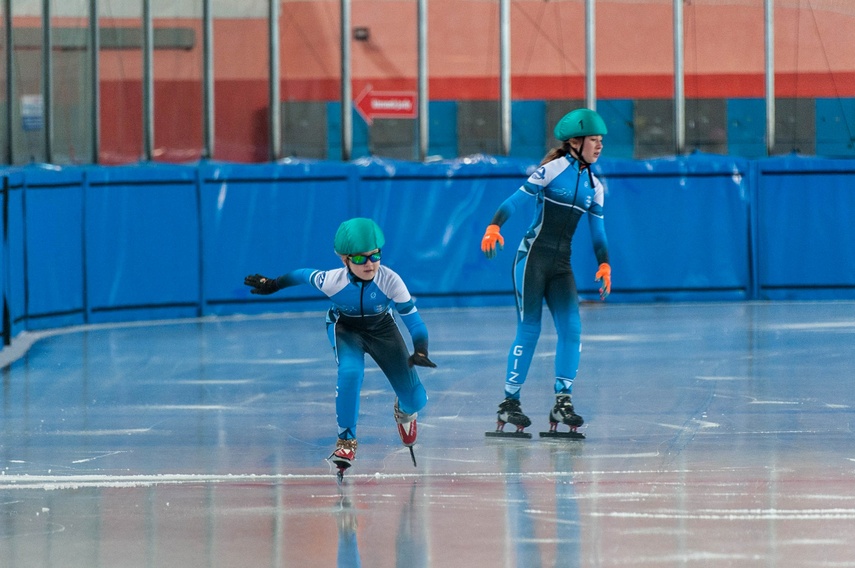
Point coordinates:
[[580, 122], [358, 235]]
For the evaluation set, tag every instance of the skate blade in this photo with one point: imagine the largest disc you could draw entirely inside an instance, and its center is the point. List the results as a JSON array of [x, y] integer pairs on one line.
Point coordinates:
[[564, 435], [499, 434], [341, 464]]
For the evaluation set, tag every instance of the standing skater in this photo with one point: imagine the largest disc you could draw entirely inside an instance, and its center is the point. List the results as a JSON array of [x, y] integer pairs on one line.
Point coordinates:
[[564, 189], [360, 321]]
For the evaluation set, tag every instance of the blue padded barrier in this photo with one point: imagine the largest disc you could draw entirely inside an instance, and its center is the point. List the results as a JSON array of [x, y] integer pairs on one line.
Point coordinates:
[[142, 243], [53, 246], [14, 283], [269, 219], [806, 236], [5, 324], [434, 216], [101, 244], [678, 229]]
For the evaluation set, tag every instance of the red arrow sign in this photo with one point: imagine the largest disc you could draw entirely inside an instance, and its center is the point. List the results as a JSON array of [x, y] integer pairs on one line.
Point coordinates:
[[385, 104]]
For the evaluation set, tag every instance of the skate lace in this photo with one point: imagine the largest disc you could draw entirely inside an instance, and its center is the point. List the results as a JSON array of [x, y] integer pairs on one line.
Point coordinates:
[[510, 405], [349, 444], [564, 405]]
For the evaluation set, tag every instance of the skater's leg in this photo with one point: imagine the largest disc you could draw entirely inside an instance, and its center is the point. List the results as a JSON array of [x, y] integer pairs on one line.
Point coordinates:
[[520, 356], [351, 372], [563, 303], [389, 350], [562, 300], [529, 285]]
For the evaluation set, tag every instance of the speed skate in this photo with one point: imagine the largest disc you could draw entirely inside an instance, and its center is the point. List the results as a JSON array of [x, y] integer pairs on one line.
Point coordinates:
[[499, 433], [510, 412], [554, 433]]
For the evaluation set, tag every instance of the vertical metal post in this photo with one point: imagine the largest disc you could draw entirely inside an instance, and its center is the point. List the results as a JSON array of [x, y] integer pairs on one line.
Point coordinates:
[[148, 82], [274, 96], [679, 86], [10, 87], [424, 118], [207, 80], [769, 18], [505, 74], [346, 87], [95, 87], [47, 80], [590, 56]]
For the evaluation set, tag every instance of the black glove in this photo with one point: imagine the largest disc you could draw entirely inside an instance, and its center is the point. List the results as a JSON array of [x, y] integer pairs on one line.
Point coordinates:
[[420, 360], [261, 284]]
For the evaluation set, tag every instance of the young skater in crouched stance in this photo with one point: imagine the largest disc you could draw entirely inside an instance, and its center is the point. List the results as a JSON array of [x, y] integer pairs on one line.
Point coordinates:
[[360, 322], [564, 189]]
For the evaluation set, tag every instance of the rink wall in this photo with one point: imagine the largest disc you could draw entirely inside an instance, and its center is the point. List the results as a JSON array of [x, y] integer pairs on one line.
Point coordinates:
[[101, 244]]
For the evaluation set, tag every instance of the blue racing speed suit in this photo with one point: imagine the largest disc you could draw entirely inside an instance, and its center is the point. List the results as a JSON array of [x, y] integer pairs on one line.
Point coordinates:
[[563, 192], [360, 321]]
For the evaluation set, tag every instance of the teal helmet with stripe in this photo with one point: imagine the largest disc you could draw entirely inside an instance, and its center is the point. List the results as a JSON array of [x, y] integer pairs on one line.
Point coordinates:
[[358, 235], [580, 122]]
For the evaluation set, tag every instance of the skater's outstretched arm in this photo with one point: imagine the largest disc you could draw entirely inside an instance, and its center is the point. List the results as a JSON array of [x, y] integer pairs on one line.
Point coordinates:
[[264, 285]]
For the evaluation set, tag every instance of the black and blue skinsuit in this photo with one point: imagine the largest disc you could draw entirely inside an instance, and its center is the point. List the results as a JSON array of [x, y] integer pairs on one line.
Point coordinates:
[[360, 322], [563, 191]]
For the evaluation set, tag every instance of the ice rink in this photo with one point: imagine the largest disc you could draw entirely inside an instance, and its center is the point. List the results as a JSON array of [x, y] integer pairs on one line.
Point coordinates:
[[718, 434]]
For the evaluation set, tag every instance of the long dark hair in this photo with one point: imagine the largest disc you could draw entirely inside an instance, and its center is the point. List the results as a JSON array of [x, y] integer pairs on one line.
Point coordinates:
[[558, 152]]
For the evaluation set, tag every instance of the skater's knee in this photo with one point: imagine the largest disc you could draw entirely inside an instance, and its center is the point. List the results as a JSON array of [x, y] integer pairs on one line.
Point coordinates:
[[412, 401], [528, 333], [349, 373]]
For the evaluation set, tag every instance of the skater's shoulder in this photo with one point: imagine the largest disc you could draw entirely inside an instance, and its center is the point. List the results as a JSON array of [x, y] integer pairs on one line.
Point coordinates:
[[328, 280], [391, 284], [387, 276]]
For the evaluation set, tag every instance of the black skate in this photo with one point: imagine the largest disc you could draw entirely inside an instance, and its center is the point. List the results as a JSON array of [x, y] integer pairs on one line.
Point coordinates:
[[510, 412], [563, 413], [343, 455]]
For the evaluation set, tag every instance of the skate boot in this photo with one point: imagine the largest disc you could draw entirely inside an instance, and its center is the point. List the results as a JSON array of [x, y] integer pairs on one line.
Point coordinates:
[[406, 425], [343, 455], [510, 411], [407, 429], [563, 413]]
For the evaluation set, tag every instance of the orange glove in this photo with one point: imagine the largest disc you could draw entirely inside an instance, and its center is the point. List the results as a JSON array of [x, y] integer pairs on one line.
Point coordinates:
[[488, 243], [604, 277]]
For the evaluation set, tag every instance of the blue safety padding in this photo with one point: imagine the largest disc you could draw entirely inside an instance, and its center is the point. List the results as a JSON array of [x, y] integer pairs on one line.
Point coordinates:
[[15, 289], [434, 217], [673, 225], [805, 228], [5, 332], [269, 219], [54, 246], [142, 242], [98, 244]]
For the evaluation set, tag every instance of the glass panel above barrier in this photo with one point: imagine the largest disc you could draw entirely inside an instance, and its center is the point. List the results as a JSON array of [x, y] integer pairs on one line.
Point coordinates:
[[121, 83], [28, 124], [71, 64]]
